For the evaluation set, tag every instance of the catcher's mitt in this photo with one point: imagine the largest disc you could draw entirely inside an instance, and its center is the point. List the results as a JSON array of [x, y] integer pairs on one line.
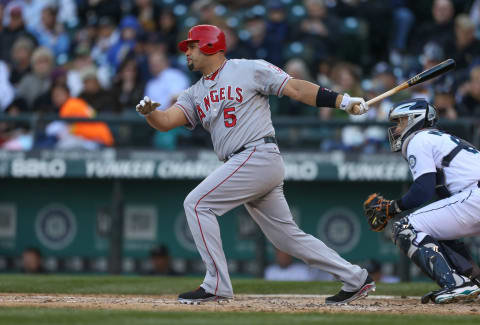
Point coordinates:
[[378, 211]]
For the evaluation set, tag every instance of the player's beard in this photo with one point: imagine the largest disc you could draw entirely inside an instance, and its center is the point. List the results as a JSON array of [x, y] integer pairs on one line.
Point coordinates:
[[190, 66]]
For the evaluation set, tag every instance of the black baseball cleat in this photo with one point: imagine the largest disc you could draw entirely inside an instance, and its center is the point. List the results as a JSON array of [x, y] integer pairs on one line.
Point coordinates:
[[344, 297], [197, 296], [430, 296]]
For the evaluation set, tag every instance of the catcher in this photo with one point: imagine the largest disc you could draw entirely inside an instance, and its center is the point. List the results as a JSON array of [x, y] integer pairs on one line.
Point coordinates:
[[442, 163]]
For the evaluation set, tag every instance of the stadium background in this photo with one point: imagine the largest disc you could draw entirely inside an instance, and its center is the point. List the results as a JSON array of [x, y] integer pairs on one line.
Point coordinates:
[[72, 198]]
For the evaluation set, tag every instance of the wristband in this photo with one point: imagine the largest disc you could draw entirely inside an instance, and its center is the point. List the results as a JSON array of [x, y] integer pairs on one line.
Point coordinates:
[[396, 206], [345, 101], [326, 97]]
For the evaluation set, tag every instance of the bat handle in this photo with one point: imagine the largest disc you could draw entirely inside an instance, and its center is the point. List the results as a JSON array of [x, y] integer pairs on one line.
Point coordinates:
[[388, 93], [377, 99]]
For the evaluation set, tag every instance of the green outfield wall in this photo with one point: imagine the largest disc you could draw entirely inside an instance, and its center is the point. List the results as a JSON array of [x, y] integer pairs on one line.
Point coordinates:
[[61, 202]]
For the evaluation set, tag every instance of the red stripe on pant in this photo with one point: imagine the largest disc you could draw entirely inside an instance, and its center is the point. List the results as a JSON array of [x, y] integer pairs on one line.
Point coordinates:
[[198, 219]]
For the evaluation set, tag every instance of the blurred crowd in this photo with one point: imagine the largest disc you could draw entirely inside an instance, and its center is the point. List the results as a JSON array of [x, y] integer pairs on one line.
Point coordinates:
[[80, 58]]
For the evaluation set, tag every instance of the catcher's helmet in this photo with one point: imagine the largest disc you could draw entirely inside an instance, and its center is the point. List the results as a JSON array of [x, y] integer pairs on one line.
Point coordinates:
[[420, 113], [210, 39]]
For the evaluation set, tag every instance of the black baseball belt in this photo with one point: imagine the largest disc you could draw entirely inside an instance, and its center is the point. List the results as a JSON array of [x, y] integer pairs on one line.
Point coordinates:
[[265, 139]]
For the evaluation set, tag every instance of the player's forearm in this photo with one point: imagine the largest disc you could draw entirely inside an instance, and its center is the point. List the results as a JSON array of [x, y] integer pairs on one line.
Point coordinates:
[[158, 120], [421, 191], [312, 94]]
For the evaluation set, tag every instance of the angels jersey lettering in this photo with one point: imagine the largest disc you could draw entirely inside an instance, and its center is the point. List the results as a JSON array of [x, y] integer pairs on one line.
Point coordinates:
[[234, 106]]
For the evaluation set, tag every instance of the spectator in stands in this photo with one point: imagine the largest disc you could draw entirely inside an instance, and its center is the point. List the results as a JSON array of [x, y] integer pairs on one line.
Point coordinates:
[[278, 31], [319, 33], [85, 135], [403, 21], [7, 90], [167, 31], [32, 12], [466, 45], [469, 105], [236, 49], [80, 63], [85, 36], [128, 88], [257, 42], [432, 55], [444, 99], [166, 82], [32, 261], [358, 16], [95, 95], [20, 65], [107, 37], [2, 7], [160, 260], [67, 12], [100, 8], [15, 135], [44, 102], [15, 28], [440, 31], [384, 79], [474, 12], [204, 10], [147, 44], [146, 12], [130, 29], [320, 29], [286, 269], [38, 81], [51, 34]]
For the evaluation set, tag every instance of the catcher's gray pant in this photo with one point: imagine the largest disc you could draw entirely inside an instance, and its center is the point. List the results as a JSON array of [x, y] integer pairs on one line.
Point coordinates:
[[254, 178]]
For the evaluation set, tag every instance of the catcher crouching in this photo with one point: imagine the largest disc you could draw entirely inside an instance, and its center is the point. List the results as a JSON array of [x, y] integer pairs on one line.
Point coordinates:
[[441, 163]]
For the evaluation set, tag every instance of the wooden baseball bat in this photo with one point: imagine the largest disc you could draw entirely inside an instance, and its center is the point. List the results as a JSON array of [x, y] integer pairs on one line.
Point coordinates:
[[431, 73]]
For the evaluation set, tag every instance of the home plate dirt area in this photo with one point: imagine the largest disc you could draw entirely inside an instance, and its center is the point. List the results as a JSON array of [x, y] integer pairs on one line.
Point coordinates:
[[245, 303]]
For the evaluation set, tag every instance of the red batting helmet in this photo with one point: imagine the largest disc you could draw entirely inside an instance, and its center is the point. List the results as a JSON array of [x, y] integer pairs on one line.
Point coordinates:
[[210, 39]]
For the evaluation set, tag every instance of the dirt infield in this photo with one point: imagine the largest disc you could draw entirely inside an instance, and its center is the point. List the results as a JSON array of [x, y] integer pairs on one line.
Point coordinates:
[[245, 303]]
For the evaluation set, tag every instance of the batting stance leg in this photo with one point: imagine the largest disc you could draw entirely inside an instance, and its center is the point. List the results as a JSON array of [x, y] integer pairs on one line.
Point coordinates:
[[248, 175], [272, 214], [255, 176]]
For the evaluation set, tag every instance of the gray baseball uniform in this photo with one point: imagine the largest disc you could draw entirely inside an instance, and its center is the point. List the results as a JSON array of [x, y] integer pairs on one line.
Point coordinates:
[[233, 106]]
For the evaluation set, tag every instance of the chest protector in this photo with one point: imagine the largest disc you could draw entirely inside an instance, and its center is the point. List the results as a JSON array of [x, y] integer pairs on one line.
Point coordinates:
[[441, 184], [441, 187]]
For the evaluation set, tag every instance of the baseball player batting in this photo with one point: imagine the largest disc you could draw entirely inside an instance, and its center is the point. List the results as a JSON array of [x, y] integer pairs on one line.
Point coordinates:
[[231, 102], [438, 161]]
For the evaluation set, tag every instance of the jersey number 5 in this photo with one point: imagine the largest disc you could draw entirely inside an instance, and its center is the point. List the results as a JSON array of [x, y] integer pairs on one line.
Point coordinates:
[[229, 116]]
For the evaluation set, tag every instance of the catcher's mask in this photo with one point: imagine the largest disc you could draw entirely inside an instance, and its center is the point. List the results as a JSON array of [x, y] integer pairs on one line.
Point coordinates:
[[420, 115]]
